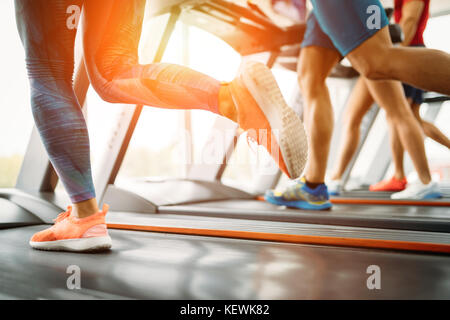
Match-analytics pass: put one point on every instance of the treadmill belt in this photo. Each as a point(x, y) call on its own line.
point(391, 202)
point(366, 194)
point(282, 231)
point(436, 219)
point(378, 198)
point(146, 265)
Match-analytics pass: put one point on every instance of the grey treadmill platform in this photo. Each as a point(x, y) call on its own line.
point(148, 265)
point(271, 229)
point(12, 215)
point(435, 219)
point(366, 194)
point(146, 195)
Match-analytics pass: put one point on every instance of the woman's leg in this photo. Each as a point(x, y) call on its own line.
point(398, 181)
point(430, 129)
point(49, 46)
point(111, 40)
point(397, 151)
point(391, 97)
point(253, 99)
point(359, 103)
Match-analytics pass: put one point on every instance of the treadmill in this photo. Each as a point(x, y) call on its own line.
point(212, 241)
point(203, 194)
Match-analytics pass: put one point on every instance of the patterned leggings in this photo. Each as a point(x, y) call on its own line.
point(112, 29)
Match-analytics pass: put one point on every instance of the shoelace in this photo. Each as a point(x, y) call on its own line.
point(251, 142)
point(63, 215)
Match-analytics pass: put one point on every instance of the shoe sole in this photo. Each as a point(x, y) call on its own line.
point(433, 195)
point(334, 193)
point(299, 204)
point(93, 244)
point(292, 137)
point(426, 195)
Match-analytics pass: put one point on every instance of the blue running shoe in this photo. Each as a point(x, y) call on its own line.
point(301, 196)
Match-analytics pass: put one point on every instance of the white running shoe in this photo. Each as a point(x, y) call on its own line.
point(419, 191)
point(334, 187)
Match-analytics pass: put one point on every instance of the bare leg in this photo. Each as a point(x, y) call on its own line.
point(359, 103)
point(390, 96)
point(430, 129)
point(314, 66)
point(397, 151)
point(378, 59)
point(85, 208)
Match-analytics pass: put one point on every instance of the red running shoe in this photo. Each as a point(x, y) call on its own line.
point(392, 184)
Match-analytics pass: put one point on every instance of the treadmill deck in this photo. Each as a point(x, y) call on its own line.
point(161, 266)
point(434, 219)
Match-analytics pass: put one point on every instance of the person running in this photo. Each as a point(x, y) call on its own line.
point(112, 30)
point(412, 16)
point(358, 30)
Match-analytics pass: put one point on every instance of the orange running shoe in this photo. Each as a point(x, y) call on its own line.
point(392, 184)
point(70, 233)
point(264, 114)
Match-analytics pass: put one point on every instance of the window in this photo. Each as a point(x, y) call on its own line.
point(15, 112)
point(162, 135)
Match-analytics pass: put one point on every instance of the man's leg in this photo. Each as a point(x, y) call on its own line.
point(370, 50)
point(430, 129)
point(317, 58)
point(359, 103)
point(350, 34)
point(346, 23)
point(377, 59)
point(310, 192)
point(314, 66)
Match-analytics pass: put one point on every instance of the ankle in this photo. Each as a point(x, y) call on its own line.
point(425, 180)
point(85, 209)
point(335, 177)
point(227, 107)
point(399, 176)
point(313, 184)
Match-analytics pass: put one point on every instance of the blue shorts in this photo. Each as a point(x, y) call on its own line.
point(314, 36)
point(342, 25)
point(415, 94)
